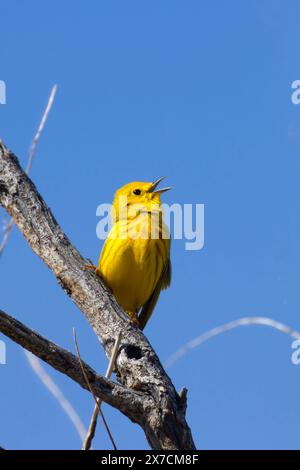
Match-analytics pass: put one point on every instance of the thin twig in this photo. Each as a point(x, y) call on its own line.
point(7, 231)
point(31, 156)
point(40, 129)
point(93, 422)
point(121, 398)
point(92, 391)
point(33, 361)
point(49, 383)
point(245, 321)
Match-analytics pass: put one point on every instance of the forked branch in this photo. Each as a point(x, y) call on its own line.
point(138, 368)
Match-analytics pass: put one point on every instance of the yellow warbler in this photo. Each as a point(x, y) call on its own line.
point(135, 259)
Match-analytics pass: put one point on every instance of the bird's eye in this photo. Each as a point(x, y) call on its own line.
point(137, 192)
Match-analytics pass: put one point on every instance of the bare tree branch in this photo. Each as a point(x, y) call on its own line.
point(245, 321)
point(62, 360)
point(137, 366)
point(10, 223)
point(32, 360)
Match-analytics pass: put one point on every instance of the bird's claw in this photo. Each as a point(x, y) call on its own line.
point(89, 266)
point(133, 319)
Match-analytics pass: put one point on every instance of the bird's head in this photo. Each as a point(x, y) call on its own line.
point(137, 197)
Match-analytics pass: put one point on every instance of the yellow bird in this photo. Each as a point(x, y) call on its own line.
point(135, 259)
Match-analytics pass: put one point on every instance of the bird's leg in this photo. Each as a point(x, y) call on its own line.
point(133, 318)
point(89, 266)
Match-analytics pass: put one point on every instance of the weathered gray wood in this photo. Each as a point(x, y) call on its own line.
point(118, 396)
point(138, 367)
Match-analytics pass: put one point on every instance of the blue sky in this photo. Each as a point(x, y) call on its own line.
point(197, 91)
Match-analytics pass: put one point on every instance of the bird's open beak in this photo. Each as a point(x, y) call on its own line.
point(155, 184)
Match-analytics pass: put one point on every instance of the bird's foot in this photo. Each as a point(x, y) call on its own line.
point(133, 318)
point(89, 266)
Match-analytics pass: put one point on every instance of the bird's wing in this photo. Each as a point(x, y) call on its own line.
point(163, 282)
point(106, 249)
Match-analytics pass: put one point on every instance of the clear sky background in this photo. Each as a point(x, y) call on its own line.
point(199, 91)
